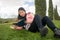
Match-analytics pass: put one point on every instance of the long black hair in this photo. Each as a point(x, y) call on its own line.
point(20, 17)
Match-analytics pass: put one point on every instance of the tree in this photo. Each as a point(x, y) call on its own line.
point(40, 7)
point(56, 16)
point(50, 11)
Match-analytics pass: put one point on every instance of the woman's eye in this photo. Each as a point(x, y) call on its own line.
point(21, 12)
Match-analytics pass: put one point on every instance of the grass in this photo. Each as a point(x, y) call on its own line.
point(8, 34)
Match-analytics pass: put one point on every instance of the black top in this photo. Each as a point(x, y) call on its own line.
point(22, 22)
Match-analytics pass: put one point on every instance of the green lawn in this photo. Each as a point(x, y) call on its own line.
point(8, 34)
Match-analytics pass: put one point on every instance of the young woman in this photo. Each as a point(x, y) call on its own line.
point(34, 23)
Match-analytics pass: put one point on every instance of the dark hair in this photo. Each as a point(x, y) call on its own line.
point(20, 17)
point(21, 8)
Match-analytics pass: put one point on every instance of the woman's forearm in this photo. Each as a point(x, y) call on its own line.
point(16, 27)
point(19, 28)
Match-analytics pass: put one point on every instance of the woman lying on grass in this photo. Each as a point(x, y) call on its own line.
point(34, 23)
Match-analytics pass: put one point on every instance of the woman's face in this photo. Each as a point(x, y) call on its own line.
point(22, 13)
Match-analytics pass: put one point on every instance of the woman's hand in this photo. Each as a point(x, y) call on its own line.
point(12, 27)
